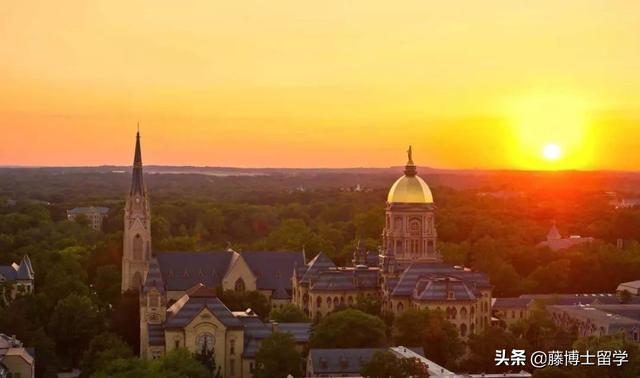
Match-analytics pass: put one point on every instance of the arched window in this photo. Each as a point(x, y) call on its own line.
point(463, 330)
point(400, 307)
point(137, 247)
point(205, 341)
point(239, 286)
point(319, 301)
point(336, 301)
point(454, 313)
point(329, 302)
point(463, 313)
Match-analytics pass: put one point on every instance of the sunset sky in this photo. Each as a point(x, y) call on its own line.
point(470, 84)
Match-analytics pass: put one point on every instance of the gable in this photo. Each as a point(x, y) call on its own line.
point(239, 269)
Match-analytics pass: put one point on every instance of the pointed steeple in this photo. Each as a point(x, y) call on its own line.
point(137, 183)
point(410, 169)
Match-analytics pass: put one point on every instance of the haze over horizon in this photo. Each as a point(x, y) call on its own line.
point(491, 85)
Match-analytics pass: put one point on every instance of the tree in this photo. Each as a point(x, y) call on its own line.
point(125, 319)
point(289, 313)
point(277, 357)
point(242, 300)
point(107, 283)
point(385, 364)
point(429, 329)
point(482, 349)
point(73, 323)
point(625, 296)
point(103, 349)
point(349, 329)
point(178, 363)
point(207, 357)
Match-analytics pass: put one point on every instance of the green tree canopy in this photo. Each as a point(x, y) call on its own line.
point(349, 328)
point(103, 349)
point(430, 330)
point(385, 364)
point(278, 357)
point(289, 313)
point(73, 323)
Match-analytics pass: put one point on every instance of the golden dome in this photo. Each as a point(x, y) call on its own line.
point(410, 188)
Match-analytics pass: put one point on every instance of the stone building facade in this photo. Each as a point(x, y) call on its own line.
point(407, 272)
point(16, 279)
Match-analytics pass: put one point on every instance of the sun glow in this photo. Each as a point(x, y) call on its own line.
point(552, 151)
point(551, 131)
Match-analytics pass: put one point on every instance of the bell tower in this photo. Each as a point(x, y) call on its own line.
point(136, 246)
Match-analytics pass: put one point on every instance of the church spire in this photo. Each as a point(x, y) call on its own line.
point(137, 185)
point(410, 169)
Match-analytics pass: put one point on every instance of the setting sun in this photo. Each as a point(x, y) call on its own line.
point(552, 151)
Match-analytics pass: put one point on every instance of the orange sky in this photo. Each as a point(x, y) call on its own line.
point(335, 83)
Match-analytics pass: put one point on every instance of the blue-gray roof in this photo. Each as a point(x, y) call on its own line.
point(16, 272)
point(154, 278)
point(193, 302)
point(438, 289)
point(8, 272)
point(254, 331)
point(409, 279)
point(319, 264)
point(344, 361)
point(156, 334)
point(182, 270)
point(89, 209)
point(501, 303)
point(346, 279)
point(300, 331)
point(273, 269)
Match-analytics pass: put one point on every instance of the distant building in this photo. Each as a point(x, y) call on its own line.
point(349, 362)
point(633, 287)
point(16, 279)
point(95, 215)
point(15, 360)
point(556, 242)
point(507, 311)
point(344, 362)
point(598, 320)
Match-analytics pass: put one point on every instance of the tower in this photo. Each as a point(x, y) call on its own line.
point(409, 234)
point(136, 246)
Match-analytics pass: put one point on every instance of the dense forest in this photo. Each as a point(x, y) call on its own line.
point(489, 224)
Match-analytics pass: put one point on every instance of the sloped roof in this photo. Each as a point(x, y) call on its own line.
point(154, 278)
point(438, 288)
point(346, 279)
point(15, 272)
point(319, 263)
point(517, 302)
point(89, 209)
point(193, 302)
point(273, 269)
point(182, 270)
point(254, 331)
point(300, 331)
point(8, 272)
point(344, 361)
point(410, 277)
